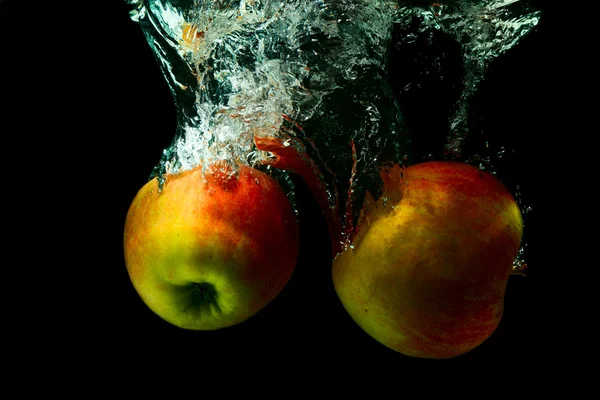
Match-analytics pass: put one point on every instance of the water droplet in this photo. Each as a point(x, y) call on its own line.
point(501, 152)
point(138, 12)
point(519, 266)
point(410, 38)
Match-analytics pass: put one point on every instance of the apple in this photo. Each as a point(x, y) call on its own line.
point(431, 259)
point(210, 250)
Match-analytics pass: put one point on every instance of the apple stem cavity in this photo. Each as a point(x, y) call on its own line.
point(203, 297)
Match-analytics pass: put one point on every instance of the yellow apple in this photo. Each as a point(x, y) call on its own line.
point(210, 251)
point(431, 259)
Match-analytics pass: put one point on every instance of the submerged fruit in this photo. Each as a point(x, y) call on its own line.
point(210, 251)
point(431, 259)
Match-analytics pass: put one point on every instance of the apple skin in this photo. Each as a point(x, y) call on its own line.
point(429, 269)
point(210, 252)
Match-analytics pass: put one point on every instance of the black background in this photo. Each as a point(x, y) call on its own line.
point(85, 82)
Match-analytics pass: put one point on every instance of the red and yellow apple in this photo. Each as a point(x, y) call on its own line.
point(431, 259)
point(210, 250)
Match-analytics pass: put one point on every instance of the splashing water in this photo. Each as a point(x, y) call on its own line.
point(236, 68)
point(309, 72)
point(485, 29)
point(313, 76)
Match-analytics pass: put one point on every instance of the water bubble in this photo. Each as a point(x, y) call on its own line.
point(519, 266)
point(501, 152)
point(410, 38)
point(138, 11)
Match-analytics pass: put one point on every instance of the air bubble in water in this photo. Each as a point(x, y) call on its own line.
point(519, 266)
point(138, 10)
point(410, 38)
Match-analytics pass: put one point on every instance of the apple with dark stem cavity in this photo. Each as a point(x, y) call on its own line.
point(210, 249)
